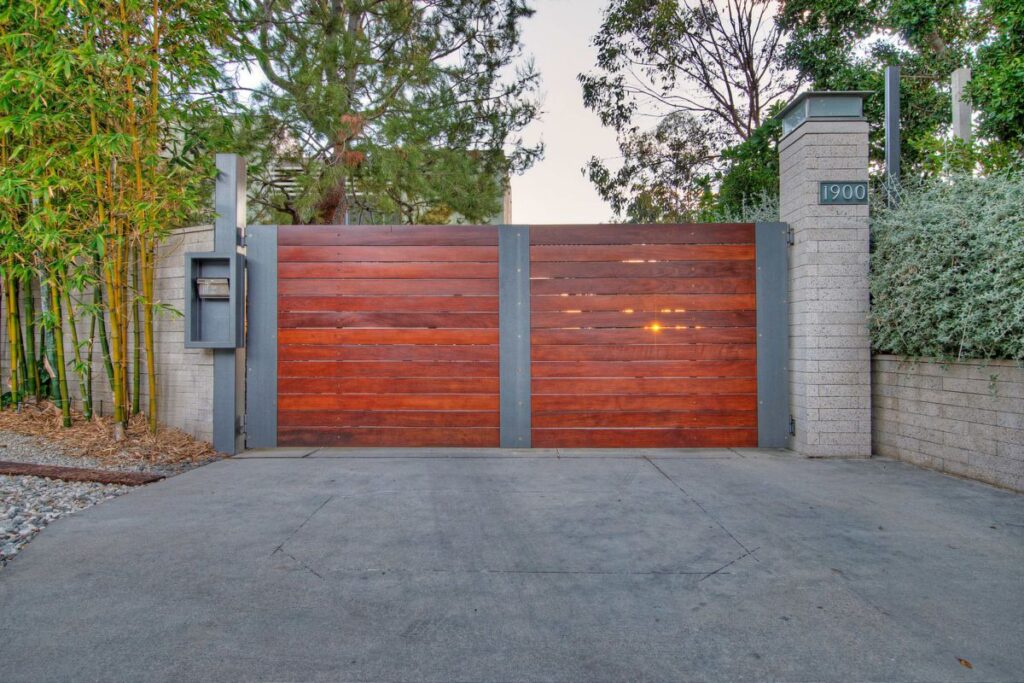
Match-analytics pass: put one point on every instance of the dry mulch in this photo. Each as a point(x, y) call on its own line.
point(95, 438)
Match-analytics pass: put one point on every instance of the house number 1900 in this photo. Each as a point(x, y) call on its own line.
point(842, 192)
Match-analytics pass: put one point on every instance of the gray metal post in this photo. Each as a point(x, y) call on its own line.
point(261, 344)
point(228, 364)
point(892, 123)
point(772, 258)
point(961, 106)
point(514, 334)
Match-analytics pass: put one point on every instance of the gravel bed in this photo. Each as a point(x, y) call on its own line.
point(27, 504)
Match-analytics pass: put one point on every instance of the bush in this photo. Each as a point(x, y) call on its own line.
point(947, 269)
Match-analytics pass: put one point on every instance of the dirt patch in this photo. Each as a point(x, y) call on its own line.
point(94, 439)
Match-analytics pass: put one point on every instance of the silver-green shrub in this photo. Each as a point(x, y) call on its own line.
point(947, 269)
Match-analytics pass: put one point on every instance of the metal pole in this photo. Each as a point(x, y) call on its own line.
point(228, 364)
point(892, 123)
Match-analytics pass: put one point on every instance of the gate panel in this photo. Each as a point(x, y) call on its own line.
point(388, 336)
point(643, 336)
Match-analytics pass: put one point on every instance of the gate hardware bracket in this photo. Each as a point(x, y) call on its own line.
point(792, 426)
point(790, 236)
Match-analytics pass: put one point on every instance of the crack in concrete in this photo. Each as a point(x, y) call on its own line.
point(696, 502)
point(299, 527)
point(728, 564)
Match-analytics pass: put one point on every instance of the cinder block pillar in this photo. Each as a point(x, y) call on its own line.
point(825, 140)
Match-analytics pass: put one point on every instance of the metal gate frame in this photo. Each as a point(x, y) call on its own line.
point(771, 261)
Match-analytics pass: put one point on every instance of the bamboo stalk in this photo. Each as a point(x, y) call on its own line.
point(79, 367)
point(58, 343)
point(30, 337)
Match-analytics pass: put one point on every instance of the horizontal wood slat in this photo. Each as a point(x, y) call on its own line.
point(293, 402)
point(387, 436)
point(361, 319)
point(644, 269)
point(388, 335)
point(385, 369)
point(656, 368)
point(672, 419)
point(391, 271)
point(665, 303)
point(540, 254)
point(644, 438)
point(581, 352)
point(718, 233)
point(679, 285)
point(385, 254)
point(560, 403)
point(392, 304)
point(396, 352)
point(392, 418)
point(613, 319)
point(315, 287)
point(690, 335)
point(387, 385)
point(649, 385)
point(384, 235)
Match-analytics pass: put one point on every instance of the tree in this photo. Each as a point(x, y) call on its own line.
point(708, 70)
point(400, 107)
point(846, 45)
point(997, 87)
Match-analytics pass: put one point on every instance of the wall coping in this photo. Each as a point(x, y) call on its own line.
point(916, 360)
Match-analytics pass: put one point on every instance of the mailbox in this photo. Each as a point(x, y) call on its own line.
point(214, 301)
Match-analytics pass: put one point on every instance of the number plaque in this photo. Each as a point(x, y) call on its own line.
point(842, 192)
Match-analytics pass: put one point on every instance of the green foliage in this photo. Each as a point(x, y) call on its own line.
point(997, 86)
point(947, 269)
point(752, 174)
point(392, 108)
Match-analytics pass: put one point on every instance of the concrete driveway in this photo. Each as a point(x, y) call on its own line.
point(442, 565)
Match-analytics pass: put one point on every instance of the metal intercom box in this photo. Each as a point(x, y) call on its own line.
point(214, 313)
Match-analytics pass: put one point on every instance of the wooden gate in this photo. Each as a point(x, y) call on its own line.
point(388, 336)
point(550, 336)
point(643, 336)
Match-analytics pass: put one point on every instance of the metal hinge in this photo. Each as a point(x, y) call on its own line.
point(792, 426)
point(790, 237)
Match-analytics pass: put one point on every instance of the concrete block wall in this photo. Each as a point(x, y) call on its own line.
point(184, 376)
point(830, 356)
point(964, 418)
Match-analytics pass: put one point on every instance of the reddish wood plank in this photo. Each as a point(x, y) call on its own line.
point(710, 233)
point(707, 335)
point(612, 319)
point(286, 254)
point(704, 386)
point(392, 304)
point(429, 352)
point(659, 252)
point(362, 287)
point(642, 269)
point(660, 402)
point(382, 235)
point(386, 418)
point(732, 418)
point(336, 319)
point(388, 385)
point(655, 368)
point(637, 285)
point(581, 352)
point(386, 369)
point(409, 271)
point(289, 402)
point(387, 336)
point(387, 436)
point(644, 438)
point(665, 303)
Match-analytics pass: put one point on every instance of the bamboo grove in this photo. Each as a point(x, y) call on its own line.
point(105, 106)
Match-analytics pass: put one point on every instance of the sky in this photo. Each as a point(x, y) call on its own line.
point(554, 190)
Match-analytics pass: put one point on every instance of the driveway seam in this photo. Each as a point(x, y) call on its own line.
point(696, 502)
